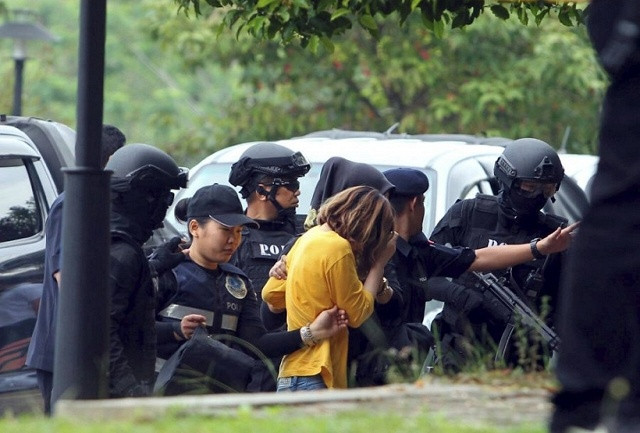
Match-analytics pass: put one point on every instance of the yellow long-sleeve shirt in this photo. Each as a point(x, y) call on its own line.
point(321, 273)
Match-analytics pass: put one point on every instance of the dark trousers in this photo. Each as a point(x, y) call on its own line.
point(45, 383)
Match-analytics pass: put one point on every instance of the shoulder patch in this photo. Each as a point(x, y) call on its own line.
point(236, 286)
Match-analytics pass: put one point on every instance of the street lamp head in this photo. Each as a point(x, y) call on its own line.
point(23, 28)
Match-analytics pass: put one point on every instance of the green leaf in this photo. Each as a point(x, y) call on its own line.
point(264, 3)
point(564, 18)
point(522, 15)
point(328, 45)
point(460, 20)
point(438, 29)
point(313, 44)
point(284, 15)
point(500, 12)
point(368, 22)
point(414, 4)
point(338, 13)
point(303, 4)
point(541, 15)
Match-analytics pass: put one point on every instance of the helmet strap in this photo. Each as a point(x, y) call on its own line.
point(271, 196)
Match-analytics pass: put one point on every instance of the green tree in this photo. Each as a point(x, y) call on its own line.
point(191, 86)
point(495, 78)
point(313, 22)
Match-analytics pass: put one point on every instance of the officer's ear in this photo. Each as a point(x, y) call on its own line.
point(193, 226)
point(412, 203)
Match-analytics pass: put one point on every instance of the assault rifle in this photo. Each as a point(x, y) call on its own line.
point(519, 309)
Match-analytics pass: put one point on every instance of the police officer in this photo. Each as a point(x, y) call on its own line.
point(268, 175)
point(529, 172)
point(41, 346)
point(599, 361)
point(217, 295)
point(141, 184)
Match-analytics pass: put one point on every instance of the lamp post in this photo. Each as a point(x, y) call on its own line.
point(22, 28)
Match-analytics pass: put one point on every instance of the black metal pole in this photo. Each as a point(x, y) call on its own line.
point(17, 87)
point(82, 341)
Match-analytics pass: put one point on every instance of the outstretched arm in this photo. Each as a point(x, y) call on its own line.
point(505, 256)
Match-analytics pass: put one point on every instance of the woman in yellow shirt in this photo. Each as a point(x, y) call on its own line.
point(339, 262)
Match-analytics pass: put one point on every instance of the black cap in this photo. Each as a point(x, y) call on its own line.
point(221, 203)
point(408, 181)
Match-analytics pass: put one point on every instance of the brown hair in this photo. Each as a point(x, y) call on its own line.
point(364, 217)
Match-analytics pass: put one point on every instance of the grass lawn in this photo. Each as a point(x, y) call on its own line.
point(274, 420)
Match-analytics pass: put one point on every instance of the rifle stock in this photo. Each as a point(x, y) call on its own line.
point(520, 309)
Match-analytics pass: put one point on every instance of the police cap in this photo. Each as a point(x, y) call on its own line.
point(408, 181)
point(220, 203)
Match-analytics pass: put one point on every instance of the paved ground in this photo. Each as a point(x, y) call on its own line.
point(501, 405)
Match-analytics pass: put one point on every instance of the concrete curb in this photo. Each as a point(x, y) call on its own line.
point(422, 395)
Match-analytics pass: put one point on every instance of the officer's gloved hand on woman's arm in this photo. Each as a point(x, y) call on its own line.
point(167, 256)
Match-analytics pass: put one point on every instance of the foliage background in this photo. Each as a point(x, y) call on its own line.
point(191, 86)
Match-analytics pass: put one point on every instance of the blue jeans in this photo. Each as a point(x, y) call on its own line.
point(300, 383)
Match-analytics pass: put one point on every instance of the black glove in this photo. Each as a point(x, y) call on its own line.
point(167, 256)
point(469, 300)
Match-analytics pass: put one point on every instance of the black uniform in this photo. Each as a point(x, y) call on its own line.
point(398, 323)
point(132, 335)
point(416, 261)
point(479, 223)
point(600, 306)
point(260, 250)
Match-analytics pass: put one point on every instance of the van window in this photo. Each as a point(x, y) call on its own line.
point(20, 215)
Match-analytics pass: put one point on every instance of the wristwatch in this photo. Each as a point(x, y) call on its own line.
point(534, 249)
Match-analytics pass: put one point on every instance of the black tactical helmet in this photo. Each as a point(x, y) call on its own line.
point(145, 166)
point(528, 159)
point(266, 160)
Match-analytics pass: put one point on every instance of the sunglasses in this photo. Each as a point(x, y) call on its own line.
point(291, 185)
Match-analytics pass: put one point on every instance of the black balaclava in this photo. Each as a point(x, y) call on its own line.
point(519, 208)
point(138, 212)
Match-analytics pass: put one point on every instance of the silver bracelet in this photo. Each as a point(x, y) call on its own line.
point(307, 336)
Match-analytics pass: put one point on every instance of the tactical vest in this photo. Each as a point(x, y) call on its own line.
point(485, 227)
point(259, 251)
point(220, 294)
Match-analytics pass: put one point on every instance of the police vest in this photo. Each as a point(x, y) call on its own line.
point(219, 295)
point(485, 227)
point(259, 250)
